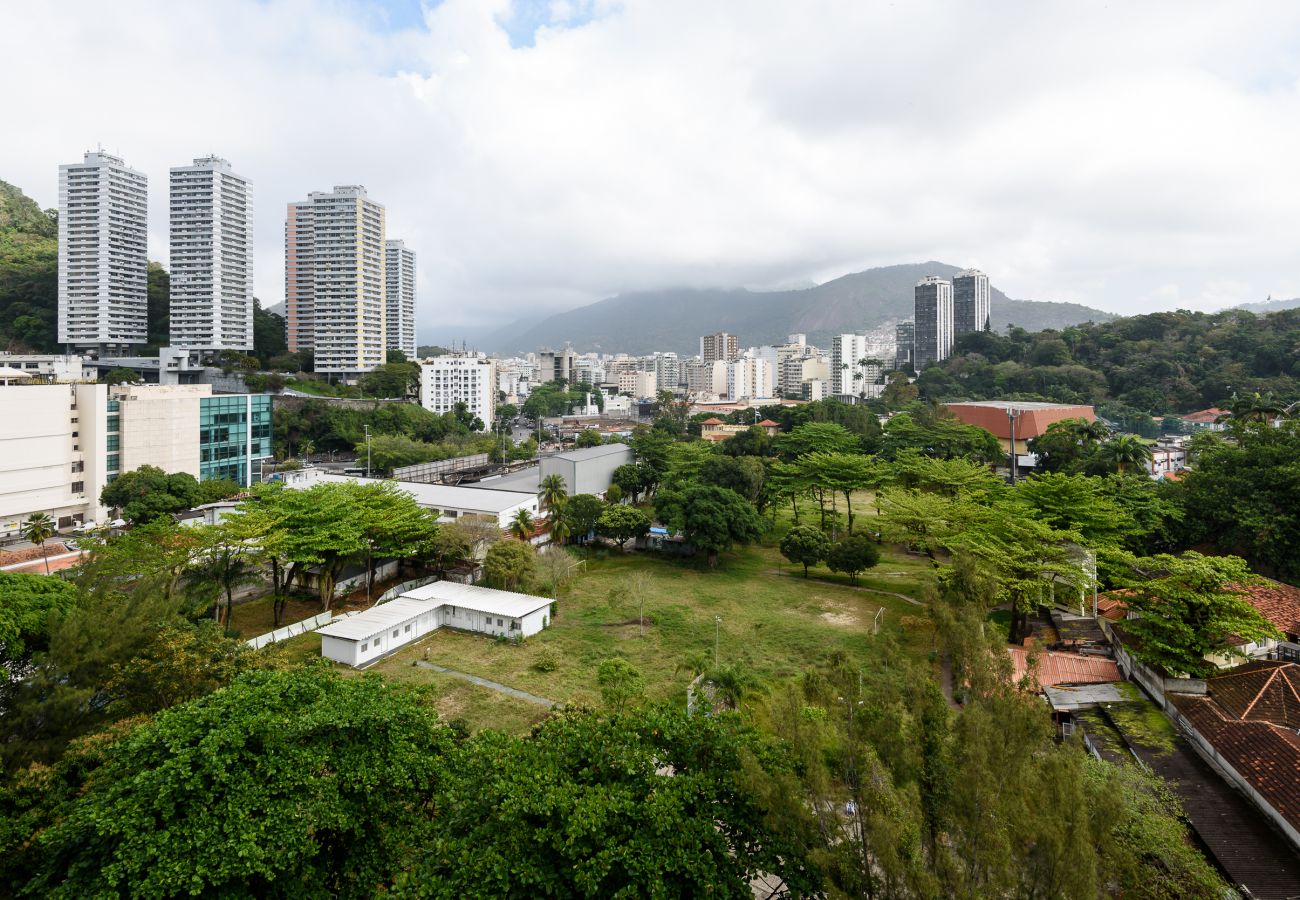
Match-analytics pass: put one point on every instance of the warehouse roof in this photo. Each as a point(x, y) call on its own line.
point(479, 599)
point(592, 452)
point(376, 619)
point(450, 496)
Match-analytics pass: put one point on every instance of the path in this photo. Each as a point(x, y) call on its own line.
point(490, 685)
point(777, 573)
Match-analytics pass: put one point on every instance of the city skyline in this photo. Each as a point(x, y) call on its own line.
point(1130, 186)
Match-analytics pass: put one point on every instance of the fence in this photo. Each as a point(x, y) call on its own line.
point(288, 631)
point(430, 471)
point(404, 587)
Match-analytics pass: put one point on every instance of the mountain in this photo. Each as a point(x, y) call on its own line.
point(674, 319)
point(29, 273)
point(1270, 305)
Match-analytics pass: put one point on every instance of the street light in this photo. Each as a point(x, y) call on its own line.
point(367, 427)
point(1012, 415)
point(717, 633)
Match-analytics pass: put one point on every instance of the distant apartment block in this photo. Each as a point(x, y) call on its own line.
point(553, 365)
point(720, 346)
point(469, 378)
point(400, 278)
point(706, 379)
point(211, 257)
point(335, 280)
point(103, 261)
point(904, 345)
point(749, 378)
point(933, 321)
point(638, 384)
point(971, 302)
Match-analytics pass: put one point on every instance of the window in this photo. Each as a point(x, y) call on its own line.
point(78, 487)
point(407, 629)
point(365, 647)
point(500, 623)
point(394, 632)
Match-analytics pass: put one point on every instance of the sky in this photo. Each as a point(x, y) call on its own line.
point(539, 155)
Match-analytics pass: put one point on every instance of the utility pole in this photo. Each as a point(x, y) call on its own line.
point(717, 633)
point(367, 427)
point(1011, 418)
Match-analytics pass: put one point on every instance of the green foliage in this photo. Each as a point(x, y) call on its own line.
point(711, 518)
point(392, 379)
point(1189, 607)
point(621, 683)
point(510, 565)
point(270, 337)
point(547, 660)
point(28, 604)
point(582, 511)
point(333, 426)
point(814, 437)
point(522, 525)
point(945, 438)
point(218, 489)
point(1148, 365)
point(1241, 496)
point(148, 494)
point(805, 545)
point(335, 768)
point(120, 375)
point(29, 267)
point(622, 523)
point(588, 438)
point(556, 399)
point(158, 291)
point(855, 553)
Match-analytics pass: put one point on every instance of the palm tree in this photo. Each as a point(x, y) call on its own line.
point(1255, 407)
point(558, 526)
point(306, 447)
point(1090, 432)
point(553, 492)
point(1123, 451)
point(39, 528)
point(521, 526)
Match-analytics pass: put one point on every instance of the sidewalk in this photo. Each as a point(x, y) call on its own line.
point(490, 685)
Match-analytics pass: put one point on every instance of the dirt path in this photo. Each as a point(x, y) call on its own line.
point(777, 573)
point(490, 685)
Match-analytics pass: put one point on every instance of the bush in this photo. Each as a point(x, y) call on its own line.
point(547, 660)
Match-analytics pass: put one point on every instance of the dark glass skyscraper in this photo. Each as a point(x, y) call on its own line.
point(971, 304)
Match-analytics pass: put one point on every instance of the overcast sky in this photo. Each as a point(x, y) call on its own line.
point(538, 156)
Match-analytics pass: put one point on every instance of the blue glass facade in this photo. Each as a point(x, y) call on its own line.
point(234, 436)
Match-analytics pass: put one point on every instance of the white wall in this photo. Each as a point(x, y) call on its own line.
point(160, 426)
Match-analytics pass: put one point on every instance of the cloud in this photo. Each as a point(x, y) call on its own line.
point(539, 156)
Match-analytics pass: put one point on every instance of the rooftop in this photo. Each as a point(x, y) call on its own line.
point(592, 452)
point(1064, 668)
point(479, 599)
point(374, 620)
point(447, 496)
point(1019, 404)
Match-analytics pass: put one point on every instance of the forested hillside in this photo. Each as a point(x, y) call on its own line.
point(1159, 364)
point(29, 272)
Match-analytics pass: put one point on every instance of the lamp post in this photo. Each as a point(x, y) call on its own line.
point(1012, 415)
point(367, 427)
point(717, 633)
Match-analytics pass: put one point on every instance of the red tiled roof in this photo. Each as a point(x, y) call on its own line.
point(1205, 415)
point(768, 423)
point(1277, 602)
point(1113, 607)
point(1236, 720)
point(712, 421)
point(1064, 668)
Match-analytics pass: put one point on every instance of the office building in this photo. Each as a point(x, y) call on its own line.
point(553, 365)
point(103, 261)
point(933, 317)
point(904, 344)
point(211, 257)
point(720, 346)
point(234, 437)
point(971, 302)
point(400, 274)
point(335, 281)
point(52, 453)
point(469, 378)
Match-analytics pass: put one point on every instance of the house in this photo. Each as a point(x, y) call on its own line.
point(1054, 668)
point(1246, 727)
point(1206, 419)
point(1022, 419)
point(361, 639)
point(716, 430)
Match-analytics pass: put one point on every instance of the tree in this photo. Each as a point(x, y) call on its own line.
point(841, 472)
point(622, 523)
point(588, 437)
point(581, 512)
point(120, 375)
point(1124, 451)
point(522, 525)
point(630, 480)
point(28, 603)
point(553, 491)
point(390, 523)
point(1190, 607)
point(449, 547)
point(38, 528)
point(805, 545)
point(813, 437)
point(711, 518)
point(166, 810)
point(148, 493)
point(899, 391)
point(225, 564)
point(620, 682)
point(1075, 503)
point(558, 526)
point(510, 565)
point(392, 379)
point(218, 489)
point(854, 554)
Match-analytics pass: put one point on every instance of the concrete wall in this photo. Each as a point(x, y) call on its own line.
point(587, 476)
point(160, 426)
point(38, 452)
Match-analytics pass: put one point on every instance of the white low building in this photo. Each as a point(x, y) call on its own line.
point(451, 501)
point(365, 637)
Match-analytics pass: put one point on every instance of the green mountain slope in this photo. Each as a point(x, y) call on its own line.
point(29, 273)
point(674, 319)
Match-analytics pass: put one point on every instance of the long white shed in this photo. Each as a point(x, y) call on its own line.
point(365, 637)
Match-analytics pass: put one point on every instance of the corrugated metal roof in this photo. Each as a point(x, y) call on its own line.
point(1064, 668)
point(479, 599)
point(592, 452)
point(376, 619)
point(448, 496)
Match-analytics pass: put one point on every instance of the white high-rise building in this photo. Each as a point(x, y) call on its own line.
point(335, 283)
point(469, 378)
point(400, 275)
point(103, 253)
point(933, 317)
point(749, 377)
point(211, 257)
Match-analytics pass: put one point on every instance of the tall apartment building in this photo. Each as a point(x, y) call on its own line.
point(852, 365)
point(335, 280)
point(211, 257)
point(749, 377)
point(52, 449)
point(933, 315)
point(971, 302)
point(667, 369)
point(798, 370)
point(552, 365)
point(469, 378)
point(400, 275)
point(721, 346)
point(639, 383)
point(705, 380)
point(904, 344)
point(103, 253)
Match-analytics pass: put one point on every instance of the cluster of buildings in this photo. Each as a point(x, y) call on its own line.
point(350, 290)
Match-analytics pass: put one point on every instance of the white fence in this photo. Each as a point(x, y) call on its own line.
point(404, 587)
point(288, 631)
